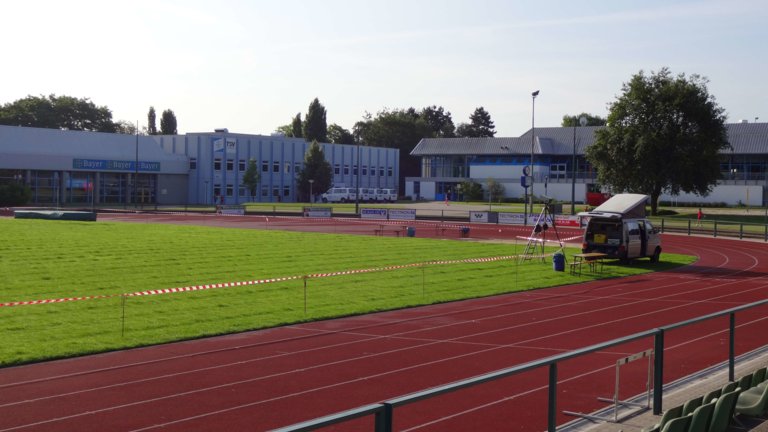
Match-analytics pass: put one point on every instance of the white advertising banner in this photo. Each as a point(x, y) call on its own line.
point(511, 218)
point(232, 210)
point(402, 214)
point(478, 217)
point(317, 212)
point(371, 213)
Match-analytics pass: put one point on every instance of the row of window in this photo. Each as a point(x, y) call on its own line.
point(242, 191)
point(337, 170)
point(265, 165)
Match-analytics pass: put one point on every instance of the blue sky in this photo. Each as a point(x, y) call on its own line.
point(251, 66)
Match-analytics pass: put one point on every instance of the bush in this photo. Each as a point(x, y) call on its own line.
point(14, 194)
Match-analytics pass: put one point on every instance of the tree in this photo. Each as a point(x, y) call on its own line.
point(251, 177)
point(57, 112)
point(14, 194)
point(400, 129)
point(285, 130)
point(592, 120)
point(339, 135)
point(439, 121)
point(125, 127)
point(664, 133)
point(315, 168)
point(151, 121)
point(315, 126)
point(495, 189)
point(296, 126)
point(480, 125)
point(168, 123)
point(471, 191)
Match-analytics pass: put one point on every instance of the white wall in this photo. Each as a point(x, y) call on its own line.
point(729, 194)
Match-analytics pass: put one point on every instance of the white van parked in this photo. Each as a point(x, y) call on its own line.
point(339, 194)
point(367, 195)
point(386, 195)
point(618, 228)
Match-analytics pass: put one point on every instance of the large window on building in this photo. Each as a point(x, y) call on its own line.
point(217, 164)
point(192, 163)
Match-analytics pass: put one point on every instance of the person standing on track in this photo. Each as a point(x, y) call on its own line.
point(699, 216)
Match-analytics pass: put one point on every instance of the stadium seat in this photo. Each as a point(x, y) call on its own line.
point(692, 404)
point(723, 412)
point(758, 377)
point(679, 424)
point(714, 394)
point(745, 382)
point(701, 418)
point(752, 402)
point(668, 415)
point(731, 386)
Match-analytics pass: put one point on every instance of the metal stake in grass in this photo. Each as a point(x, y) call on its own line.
point(305, 295)
point(122, 331)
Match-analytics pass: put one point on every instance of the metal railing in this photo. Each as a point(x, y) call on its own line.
point(384, 412)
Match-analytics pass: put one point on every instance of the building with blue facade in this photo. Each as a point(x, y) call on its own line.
point(92, 168)
point(561, 170)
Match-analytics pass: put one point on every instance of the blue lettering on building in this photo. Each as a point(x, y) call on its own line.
point(114, 165)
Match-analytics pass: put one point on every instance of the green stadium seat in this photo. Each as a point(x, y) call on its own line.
point(714, 394)
point(758, 377)
point(731, 386)
point(701, 418)
point(668, 415)
point(745, 382)
point(752, 402)
point(723, 412)
point(692, 404)
point(679, 424)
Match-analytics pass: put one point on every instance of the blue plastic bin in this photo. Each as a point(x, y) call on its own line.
point(558, 262)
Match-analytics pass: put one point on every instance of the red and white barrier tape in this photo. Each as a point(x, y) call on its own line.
point(270, 280)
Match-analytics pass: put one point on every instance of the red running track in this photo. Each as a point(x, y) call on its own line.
point(266, 379)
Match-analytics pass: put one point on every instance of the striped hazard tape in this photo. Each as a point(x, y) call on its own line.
point(266, 281)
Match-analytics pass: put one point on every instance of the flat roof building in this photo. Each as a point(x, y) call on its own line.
point(64, 167)
point(560, 166)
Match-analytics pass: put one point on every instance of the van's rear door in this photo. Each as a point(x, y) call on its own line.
point(634, 240)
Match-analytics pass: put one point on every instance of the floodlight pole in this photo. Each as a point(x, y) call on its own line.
point(357, 183)
point(136, 171)
point(533, 138)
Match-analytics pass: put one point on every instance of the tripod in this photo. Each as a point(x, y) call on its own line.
point(538, 237)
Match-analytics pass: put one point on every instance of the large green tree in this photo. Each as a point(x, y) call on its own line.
point(151, 121)
point(168, 123)
point(315, 168)
point(400, 129)
point(573, 120)
point(339, 135)
point(664, 134)
point(439, 121)
point(315, 124)
point(296, 126)
point(57, 112)
point(480, 125)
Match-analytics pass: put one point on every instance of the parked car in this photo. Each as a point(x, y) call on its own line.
point(386, 195)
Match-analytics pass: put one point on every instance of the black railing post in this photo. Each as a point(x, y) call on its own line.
point(741, 231)
point(715, 229)
point(658, 371)
point(662, 225)
point(689, 227)
point(384, 419)
point(732, 347)
point(552, 405)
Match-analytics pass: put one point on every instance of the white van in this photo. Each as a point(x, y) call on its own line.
point(339, 194)
point(618, 228)
point(386, 195)
point(367, 195)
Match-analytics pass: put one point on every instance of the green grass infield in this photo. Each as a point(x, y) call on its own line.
point(43, 260)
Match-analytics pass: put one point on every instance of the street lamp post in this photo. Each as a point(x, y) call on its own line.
point(582, 122)
point(533, 138)
point(357, 182)
point(311, 198)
